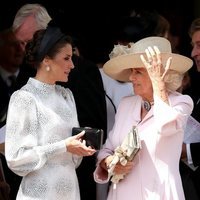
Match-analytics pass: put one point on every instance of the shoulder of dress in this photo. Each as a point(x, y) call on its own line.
point(66, 92)
point(22, 97)
point(130, 98)
point(176, 96)
point(129, 102)
point(63, 89)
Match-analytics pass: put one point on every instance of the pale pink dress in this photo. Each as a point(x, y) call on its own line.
point(155, 175)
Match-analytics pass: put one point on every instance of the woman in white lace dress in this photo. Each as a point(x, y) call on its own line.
point(39, 145)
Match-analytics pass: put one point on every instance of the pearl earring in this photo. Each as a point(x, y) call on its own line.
point(47, 68)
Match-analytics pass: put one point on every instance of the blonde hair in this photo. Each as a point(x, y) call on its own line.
point(173, 80)
point(40, 13)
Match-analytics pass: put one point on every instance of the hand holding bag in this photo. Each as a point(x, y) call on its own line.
point(124, 153)
point(92, 136)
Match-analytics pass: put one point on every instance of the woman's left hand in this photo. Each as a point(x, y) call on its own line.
point(76, 145)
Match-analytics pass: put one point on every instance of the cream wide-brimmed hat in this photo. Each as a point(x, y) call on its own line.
point(124, 59)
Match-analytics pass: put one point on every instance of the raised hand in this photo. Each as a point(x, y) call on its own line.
point(154, 64)
point(157, 71)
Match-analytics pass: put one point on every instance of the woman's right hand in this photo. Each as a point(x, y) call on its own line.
point(76, 145)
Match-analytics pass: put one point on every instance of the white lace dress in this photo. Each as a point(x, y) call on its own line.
point(40, 118)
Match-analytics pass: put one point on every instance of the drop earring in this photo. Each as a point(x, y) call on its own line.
point(47, 68)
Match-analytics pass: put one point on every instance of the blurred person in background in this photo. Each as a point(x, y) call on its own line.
point(28, 19)
point(11, 57)
point(86, 84)
point(190, 152)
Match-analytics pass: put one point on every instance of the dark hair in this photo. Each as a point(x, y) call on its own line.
point(140, 24)
point(195, 26)
point(45, 42)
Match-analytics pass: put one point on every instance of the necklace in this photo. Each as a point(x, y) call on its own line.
point(147, 105)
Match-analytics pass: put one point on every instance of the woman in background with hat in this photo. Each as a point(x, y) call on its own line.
point(38, 145)
point(159, 114)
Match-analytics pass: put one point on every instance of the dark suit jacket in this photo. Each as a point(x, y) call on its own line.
point(191, 179)
point(4, 100)
point(195, 152)
point(5, 92)
point(86, 84)
point(195, 175)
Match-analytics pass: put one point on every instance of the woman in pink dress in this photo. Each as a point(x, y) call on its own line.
point(159, 114)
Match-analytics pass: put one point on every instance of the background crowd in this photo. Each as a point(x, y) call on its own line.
point(94, 23)
point(95, 28)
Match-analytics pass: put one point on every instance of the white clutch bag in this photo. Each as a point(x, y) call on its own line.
point(131, 144)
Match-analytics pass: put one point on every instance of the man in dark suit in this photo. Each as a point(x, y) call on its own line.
point(28, 19)
point(11, 56)
point(191, 152)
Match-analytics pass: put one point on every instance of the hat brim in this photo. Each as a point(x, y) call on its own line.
point(119, 68)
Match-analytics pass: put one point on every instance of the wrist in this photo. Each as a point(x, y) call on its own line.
point(159, 84)
point(67, 143)
point(105, 163)
point(160, 90)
